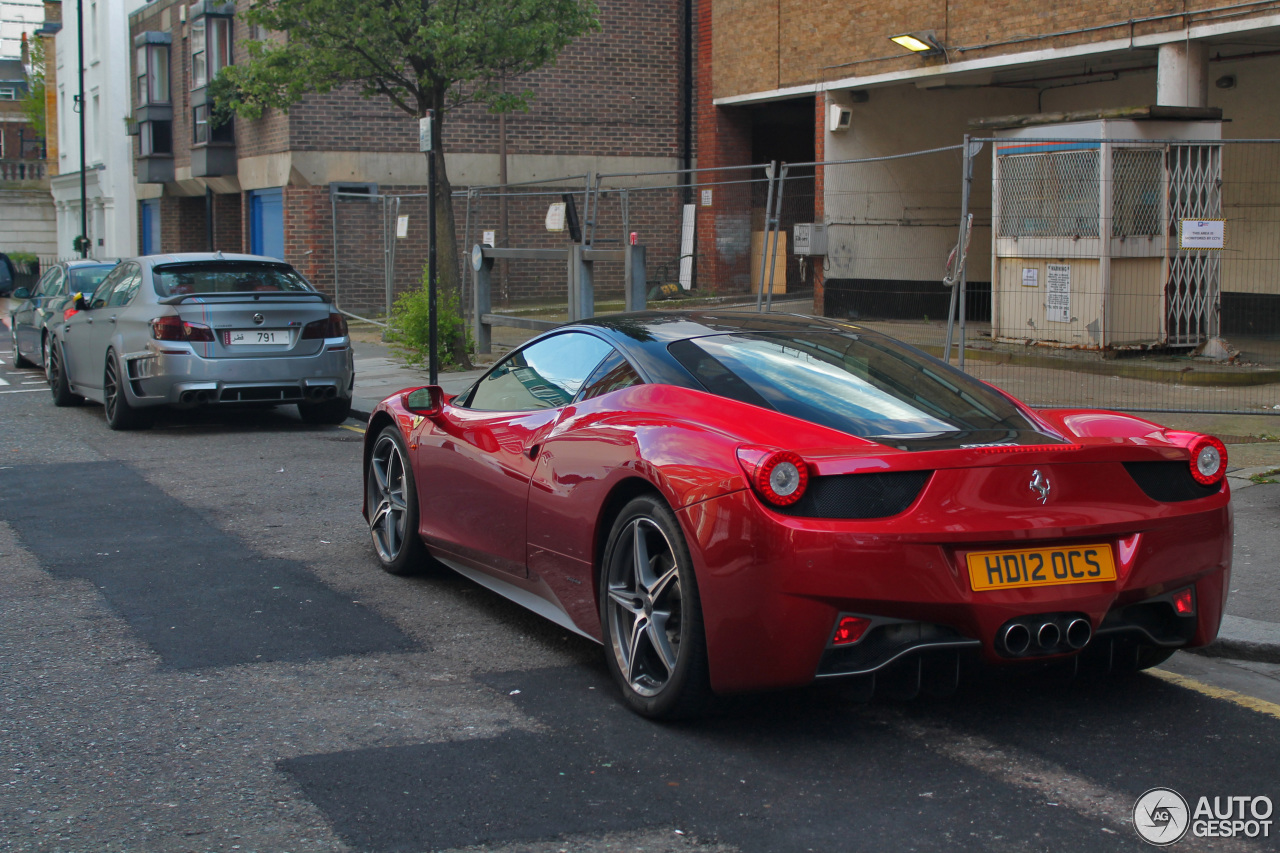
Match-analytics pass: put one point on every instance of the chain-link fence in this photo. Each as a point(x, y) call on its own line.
point(1132, 273)
point(890, 224)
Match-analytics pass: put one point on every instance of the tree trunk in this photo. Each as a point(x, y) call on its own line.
point(447, 274)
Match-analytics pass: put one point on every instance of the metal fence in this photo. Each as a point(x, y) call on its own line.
point(1131, 273)
point(1117, 273)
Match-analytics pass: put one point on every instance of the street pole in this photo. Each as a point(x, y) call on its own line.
point(84, 202)
point(426, 130)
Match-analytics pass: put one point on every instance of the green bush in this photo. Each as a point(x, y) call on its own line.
point(409, 330)
point(25, 260)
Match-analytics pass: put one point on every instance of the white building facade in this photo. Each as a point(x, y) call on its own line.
point(109, 184)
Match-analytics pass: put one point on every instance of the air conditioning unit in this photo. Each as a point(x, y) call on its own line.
point(809, 238)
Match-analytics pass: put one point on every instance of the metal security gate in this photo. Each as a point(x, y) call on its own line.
point(1193, 285)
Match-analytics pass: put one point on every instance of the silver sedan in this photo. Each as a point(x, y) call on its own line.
point(202, 329)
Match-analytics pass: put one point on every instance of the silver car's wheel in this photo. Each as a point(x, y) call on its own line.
point(18, 359)
point(120, 415)
point(651, 613)
point(58, 383)
point(392, 506)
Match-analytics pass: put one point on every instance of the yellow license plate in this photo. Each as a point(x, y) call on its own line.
point(1040, 567)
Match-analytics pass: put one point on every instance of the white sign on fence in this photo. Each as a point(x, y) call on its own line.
point(1030, 277)
point(1058, 297)
point(555, 216)
point(706, 198)
point(402, 226)
point(490, 239)
point(1202, 234)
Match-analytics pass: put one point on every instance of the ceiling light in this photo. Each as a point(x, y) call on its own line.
point(924, 43)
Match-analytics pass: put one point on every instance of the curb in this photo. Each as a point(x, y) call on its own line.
point(1244, 639)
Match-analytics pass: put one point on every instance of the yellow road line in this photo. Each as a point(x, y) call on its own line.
point(1262, 706)
point(353, 428)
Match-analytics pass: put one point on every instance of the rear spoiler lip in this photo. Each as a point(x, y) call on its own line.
point(248, 296)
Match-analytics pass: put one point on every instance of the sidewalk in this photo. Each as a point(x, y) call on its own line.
point(1251, 628)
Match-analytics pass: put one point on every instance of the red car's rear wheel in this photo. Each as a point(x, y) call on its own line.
point(651, 614)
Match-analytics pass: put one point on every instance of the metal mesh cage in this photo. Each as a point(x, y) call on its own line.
point(1138, 184)
point(1049, 195)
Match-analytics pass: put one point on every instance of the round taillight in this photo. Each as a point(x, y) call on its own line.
point(1208, 460)
point(781, 478)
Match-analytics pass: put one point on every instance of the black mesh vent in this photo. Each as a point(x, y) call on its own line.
point(1169, 482)
point(859, 495)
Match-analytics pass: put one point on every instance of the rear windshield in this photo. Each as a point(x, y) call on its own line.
point(86, 281)
point(860, 383)
point(226, 277)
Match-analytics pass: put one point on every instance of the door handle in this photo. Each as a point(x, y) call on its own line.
point(113, 318)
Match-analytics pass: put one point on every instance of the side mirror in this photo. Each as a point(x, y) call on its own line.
point(22, 293)
point(428, 400)
point(81, 303)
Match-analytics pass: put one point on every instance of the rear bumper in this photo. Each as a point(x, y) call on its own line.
point(158, 378)
point(780, 584)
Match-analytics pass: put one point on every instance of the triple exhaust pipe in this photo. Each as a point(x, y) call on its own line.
point(1043, 635)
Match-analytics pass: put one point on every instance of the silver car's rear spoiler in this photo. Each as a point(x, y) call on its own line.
point(248, 296)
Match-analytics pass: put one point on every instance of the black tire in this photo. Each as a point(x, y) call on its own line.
point(58, 384)
point(115, 402)
point(391, 499)
point(659, 664)
point(18, 359)
point(333, 411)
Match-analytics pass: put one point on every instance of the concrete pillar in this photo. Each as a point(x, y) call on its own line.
point(1182, 76)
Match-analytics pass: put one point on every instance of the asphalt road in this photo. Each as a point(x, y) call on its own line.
point(198, 652)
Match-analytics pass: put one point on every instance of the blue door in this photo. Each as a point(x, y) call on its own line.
point(266, 223)
point(151, 226)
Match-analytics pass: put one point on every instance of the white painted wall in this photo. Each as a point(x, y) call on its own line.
point(109, 151)
point(26, 222)
point(898, 219)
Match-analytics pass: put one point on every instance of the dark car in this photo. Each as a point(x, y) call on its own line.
point(31, 322)
point(7, 275)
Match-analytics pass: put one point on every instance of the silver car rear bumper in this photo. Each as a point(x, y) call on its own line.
point(185, 379)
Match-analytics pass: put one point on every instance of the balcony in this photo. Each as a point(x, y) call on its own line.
point(24, 175)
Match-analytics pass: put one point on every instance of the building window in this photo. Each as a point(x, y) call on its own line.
point(8, 93)
point(202, 133)
point(155, 137)
point(210, 49)
point(152, 69)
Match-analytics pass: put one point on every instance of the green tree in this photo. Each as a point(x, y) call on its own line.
point(418, 54)
point(33, 105)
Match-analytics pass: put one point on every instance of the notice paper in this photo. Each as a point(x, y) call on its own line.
point(1058, 297)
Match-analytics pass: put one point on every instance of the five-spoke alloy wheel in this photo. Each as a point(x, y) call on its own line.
point(391, 502)
point(651, 615)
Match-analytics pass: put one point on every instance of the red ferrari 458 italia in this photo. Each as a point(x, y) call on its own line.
point(735, 502)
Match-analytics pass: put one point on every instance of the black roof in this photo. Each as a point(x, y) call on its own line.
point(644, 335)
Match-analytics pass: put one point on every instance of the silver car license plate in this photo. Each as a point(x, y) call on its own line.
point(255, 337)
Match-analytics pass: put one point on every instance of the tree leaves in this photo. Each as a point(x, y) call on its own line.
point(420, 54)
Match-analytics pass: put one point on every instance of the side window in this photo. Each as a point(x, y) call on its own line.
point(103, 293)
point(124, 291)
point(613, 374)
point(544, 375)
point(51, 283)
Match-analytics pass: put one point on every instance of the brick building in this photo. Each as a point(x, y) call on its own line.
point(611, 103)
point(770, 73)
